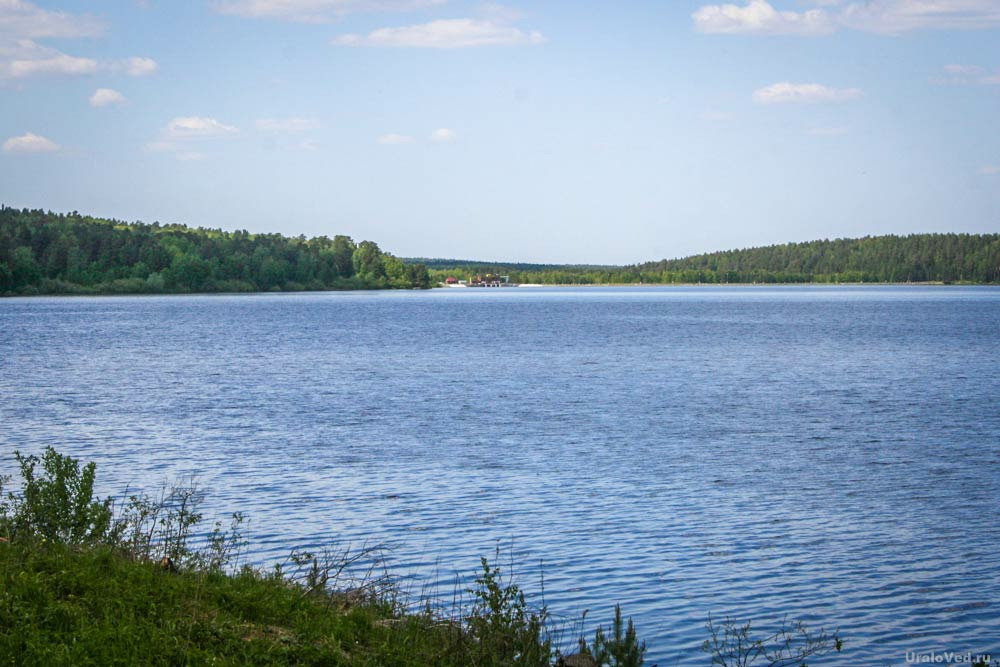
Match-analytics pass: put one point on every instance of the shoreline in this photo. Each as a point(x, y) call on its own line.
point(930, 283)
point(523, 285)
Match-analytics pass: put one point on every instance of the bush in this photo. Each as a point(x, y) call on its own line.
point(500, 626)
point(57, 286)
point(125, 286)
point(56, 503)
point(155, 282)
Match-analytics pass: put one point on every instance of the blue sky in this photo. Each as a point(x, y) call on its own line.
point(591, 132)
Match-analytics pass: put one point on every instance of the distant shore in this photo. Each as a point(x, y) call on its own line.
point(929, 283)
point(98, 293)
point(63, 254)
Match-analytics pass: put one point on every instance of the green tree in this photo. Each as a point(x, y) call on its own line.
point(418, 276)
point(24, 269)
point(368, 262)
point(343, 255)
point(189, 272)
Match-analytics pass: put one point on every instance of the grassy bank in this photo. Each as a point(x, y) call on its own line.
point(66, 605)
point(137, 581)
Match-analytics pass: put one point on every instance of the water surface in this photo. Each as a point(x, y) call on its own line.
point(828, 453)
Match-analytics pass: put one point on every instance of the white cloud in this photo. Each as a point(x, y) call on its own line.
point(22, 57)
point(394, 139)
point(53, 63)
point(880, 16)
point(445, 34)
point(21, 23)
point(26, 58)
point(758, 16)
point(804, 93)
point(962, 69)
point(968, 75)
point(896, 16)
point(103, 97)
point(286, 124)
point(443, 135)
point(24, 20)
point(316, 11)
point(181, 133)
point(137, 66)
point(990, 170)
point(197, 127)
point(29, 143)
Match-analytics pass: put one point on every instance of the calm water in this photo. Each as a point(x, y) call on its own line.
point(827, 453)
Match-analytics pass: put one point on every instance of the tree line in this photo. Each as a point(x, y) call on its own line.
point(49, 253)
point(946, 258)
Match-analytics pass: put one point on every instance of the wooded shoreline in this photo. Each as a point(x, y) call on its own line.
point(45, 253)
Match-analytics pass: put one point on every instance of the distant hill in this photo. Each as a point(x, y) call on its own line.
point(913, 258)
point(950, 258)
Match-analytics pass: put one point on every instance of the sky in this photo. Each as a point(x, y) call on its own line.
point(559, 131)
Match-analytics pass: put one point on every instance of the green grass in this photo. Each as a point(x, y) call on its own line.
point(61, 605)
point(66, 605)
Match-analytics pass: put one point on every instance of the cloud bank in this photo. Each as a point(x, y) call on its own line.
point(445, 34)
point(22, 56)
point(26, 21)
point(878, 16)
point(316, 11)
point(758, 16)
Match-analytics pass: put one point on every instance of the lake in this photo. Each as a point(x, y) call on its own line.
point(829, 453)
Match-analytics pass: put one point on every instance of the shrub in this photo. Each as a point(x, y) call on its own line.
point(621, 649)
point(57, 502)
point(503, 630)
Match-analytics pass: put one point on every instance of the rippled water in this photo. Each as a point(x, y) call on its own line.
point(829, 453)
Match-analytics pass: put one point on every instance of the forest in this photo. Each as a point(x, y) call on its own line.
point(943, 258)
point(49, 253)
point(54, 253)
